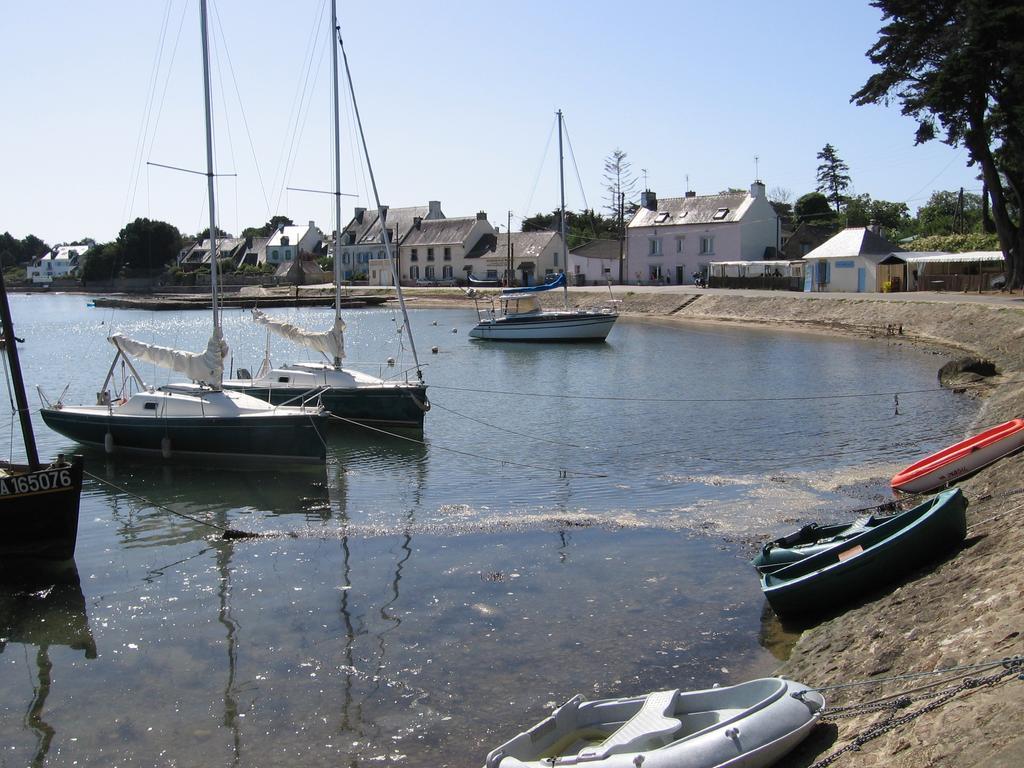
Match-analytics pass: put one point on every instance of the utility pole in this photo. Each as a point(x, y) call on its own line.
point(622, 234)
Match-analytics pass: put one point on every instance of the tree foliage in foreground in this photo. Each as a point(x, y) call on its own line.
point(957, 68)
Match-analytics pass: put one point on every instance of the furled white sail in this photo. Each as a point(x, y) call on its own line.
point(331, 343)
point(203, 367)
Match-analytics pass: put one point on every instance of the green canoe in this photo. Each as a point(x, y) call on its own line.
point(865, 559)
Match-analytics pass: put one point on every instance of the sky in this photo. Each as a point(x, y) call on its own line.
point(457, 99)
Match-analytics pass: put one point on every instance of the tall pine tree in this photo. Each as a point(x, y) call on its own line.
point(833, 176)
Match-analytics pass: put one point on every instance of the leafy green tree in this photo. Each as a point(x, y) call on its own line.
point(813, 208)
point(833, 176)
point(148, 246)
point(958, 69)
point(941, 215)
point(103, 263)
point(275, 223)
point(15, 252)
point(580, 227)
point(862, 211)
point(205, 234)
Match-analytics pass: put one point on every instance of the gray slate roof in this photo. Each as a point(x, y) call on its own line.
point(854, 241)
point(598, 249)
point(699, 209)
point(440, 232)
point(398, 220)
point(526, 246)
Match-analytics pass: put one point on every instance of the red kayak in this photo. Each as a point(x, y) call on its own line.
point(963, 458)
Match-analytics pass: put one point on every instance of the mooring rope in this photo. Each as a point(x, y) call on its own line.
point(227, 533)
point(562, 472)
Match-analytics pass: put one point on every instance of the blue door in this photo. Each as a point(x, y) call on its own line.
point(862, 279)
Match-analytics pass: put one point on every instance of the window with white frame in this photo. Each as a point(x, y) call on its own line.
point(654, 247)
point(707, 245)
point(679, 243)
point(414, 272)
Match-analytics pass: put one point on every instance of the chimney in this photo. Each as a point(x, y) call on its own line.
point(358, 214)
point(384, 212)
point(757, 189)
point(649, 200)
point(434, 209)
point(481, 216)
point(417, 221)
point(312, 223)
point(874, 226)
point(691, 193)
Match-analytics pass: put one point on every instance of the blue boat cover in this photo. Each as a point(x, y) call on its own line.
point(558, 282)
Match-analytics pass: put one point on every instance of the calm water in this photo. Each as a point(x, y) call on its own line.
point(575, 519)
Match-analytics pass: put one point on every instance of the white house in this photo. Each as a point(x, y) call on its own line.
point(438, 250)
point(668, 240)
point(596, 263)
point(362, 244)
point(62, 261)
point(534, 255)
point(288, 242)
point(856, 260)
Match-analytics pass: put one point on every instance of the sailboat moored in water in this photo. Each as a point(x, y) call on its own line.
point(198, 417)
point(350, 395)
point(520, 316)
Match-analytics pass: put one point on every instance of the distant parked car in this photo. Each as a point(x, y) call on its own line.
point(448, 282)
point(421, 283)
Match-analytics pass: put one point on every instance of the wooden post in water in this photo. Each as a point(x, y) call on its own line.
point(11, 345)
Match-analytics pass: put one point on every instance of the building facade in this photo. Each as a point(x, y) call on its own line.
point(669, 240)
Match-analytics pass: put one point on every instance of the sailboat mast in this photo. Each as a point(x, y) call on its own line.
point(561, 188)
point(209, 165)
point(376, 198)
point(337, 168)
point(11, 344)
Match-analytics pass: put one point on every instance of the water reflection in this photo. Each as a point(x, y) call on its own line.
point(44, 615)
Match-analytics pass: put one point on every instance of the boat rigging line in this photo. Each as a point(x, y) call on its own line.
point(562, 472)
point(622, 398)
point(385, 237)
point(225, 531)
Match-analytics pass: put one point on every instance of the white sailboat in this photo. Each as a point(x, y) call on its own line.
point(519, 315)
point(350, 395)
point(196, 417)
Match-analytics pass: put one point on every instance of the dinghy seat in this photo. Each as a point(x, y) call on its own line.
point(651, 727)
point(859, 525)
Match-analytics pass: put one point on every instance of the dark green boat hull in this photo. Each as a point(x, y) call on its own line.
point(296, 438)
point(400, 407)
point(880, 555)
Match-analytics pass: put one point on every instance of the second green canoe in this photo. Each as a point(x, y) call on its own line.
point(877, 556)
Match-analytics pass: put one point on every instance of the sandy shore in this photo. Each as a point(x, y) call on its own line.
point(965, 610)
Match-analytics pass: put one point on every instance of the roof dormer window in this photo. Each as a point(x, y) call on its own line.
point(720, 214)
point(661, 218)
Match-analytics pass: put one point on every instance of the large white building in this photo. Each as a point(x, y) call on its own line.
point(668, 240)
point(62, 261)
